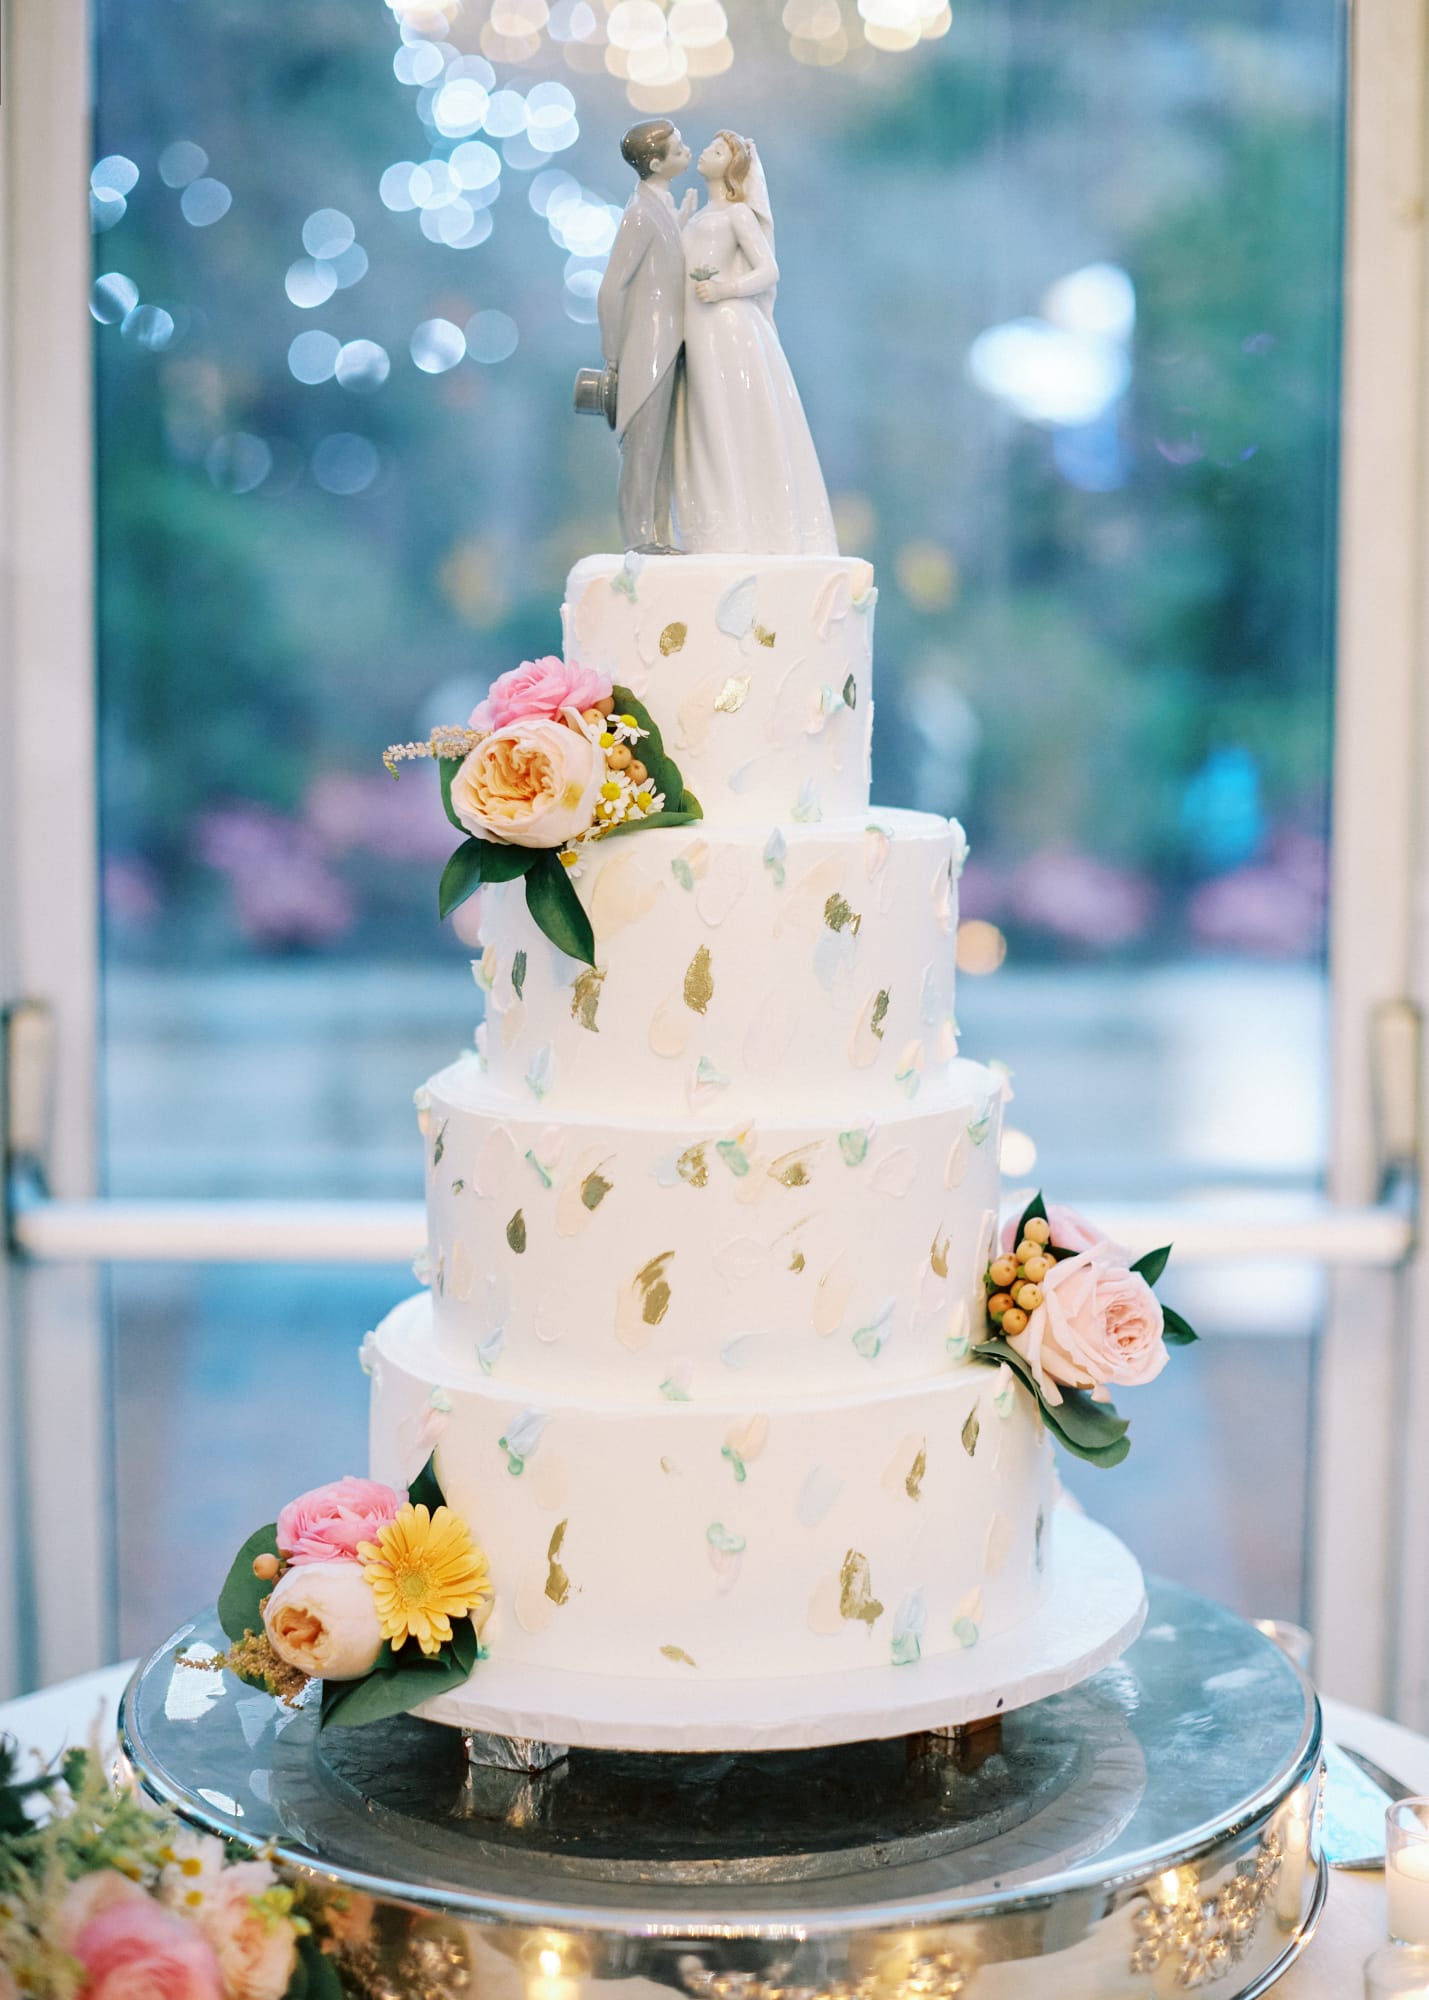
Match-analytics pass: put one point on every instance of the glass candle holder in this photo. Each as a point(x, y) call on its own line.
point(1398, 1972)
point(1406, 1870)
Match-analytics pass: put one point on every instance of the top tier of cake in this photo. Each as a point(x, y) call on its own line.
point(757, 669)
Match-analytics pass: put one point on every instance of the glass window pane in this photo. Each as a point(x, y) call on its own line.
point(1059, 283)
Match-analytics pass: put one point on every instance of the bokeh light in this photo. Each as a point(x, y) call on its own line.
point(149, 327)
point(491, 336)
point(115, 174)
point(345, 463)
point(112, 296)
point(362, 366)
point(238, 462)
point(181, 163)
point(327, 233)
point(981, 947)
point(309, 283)
point(1018, 1153)
point(437, 345)
point(312, 357)
point(205, 201)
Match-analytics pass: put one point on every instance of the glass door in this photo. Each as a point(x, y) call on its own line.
point(1062, 289)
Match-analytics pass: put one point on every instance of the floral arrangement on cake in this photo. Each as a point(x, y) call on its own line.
point(554, 757)
point(104, 1896)
point(379, 1596)
point(1073, 1317)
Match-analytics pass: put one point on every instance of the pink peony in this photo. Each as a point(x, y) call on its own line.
point(257, 1947)
point(539, 688)
point(327, 1524)
point(137, 1950)
point(1071, 1230)
point(1098, 1323)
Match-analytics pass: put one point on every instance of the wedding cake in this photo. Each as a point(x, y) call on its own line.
point(723, 1380)
point(709, 1220)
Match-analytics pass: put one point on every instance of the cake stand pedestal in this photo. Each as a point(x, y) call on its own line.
point(1150, 1832)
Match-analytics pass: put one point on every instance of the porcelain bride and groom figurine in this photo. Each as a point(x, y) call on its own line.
point(716, 454)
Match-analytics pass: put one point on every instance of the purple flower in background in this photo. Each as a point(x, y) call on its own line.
point(1274, 909)
point(1082, 899)
point(365, 813)
point(284, 892)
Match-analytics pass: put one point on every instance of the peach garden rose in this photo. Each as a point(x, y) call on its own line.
point(1098, 1324)
point(534, 784)
point(138, 1950)
point(255, 1944)
point(322, 1619)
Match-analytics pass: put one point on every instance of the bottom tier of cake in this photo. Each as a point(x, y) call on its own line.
point(736, 1542)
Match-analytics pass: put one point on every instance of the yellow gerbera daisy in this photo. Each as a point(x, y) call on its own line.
point(425, 1570)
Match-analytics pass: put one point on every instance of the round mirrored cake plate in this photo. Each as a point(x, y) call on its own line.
point(1091, 1615)
point(1151, 1831)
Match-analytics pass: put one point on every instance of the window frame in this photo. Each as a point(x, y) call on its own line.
point(1369, 1515)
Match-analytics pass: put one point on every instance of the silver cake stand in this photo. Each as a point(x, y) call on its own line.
point(1150, 1832)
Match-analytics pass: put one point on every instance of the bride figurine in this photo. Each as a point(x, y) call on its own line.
point(746, 476)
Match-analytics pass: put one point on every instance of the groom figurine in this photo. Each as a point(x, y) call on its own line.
point(642, 328)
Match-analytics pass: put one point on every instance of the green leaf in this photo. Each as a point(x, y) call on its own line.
point(448, 767)
point(391, 1690)
point(1035, 1211)
point(425, 1490)
point(1179, 1332)
point(650, 820)
point(465, 1644)
point(664, 771)
point(242, 1593)
point(1088, 1429)
point(316, 1977)
point(503, 861)
point(557, 910)
point(1153, 1264)
point(460, 878)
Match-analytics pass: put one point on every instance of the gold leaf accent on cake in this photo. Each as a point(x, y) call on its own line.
point(791, 1169)
point(938, 1255)
point(913, 1484)
point(796, 1262)
point(763, 635)
point(516, 1232)
point(856, 1598)
point(699, 981)
point(693, 1167)
point(868, 1030)
point(839, 915)
point(733, 695)
point(678, 1654)
point(903, 1474)
point(594, 1188)
point(971, 1429)
point(558, 1584)
point(880, 1013)
point(644, 1301)
point(585, 997)
point(674, 636)
point(672, 1470)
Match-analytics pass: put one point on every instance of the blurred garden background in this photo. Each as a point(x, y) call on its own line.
point(1060, 285)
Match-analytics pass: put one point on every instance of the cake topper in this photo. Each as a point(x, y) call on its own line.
point(716, 455)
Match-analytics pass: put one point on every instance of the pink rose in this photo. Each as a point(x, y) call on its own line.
point(540, 688)
point(256, 1946)
point(327, 1524)
point(90, 1897)
point(137, 1950)
point(1098, 1323)
point(1071, 1230)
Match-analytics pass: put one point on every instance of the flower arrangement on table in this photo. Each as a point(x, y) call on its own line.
point(555, 756)
point(379, 1596)
point(1072, 1317)
point(104, 1896)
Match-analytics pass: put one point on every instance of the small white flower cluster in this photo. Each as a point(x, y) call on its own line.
point(627, 792)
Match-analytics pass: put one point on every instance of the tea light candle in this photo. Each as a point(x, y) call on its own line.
point(1406, 1869)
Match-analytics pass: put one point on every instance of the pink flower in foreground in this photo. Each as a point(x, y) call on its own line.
point(257, 1948)
point(137, 1950)
point(92, 1896)
point(1098, 1323)
point(327, 1524)
point(1071, 1230)
point(540, 688)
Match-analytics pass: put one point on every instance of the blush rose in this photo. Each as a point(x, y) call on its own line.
point(329, 1522)
point(1071, 1230)
point(540, 688)
point(532, 784)
point(256, 1948)
point(1098, 1324)
point(137, 1950)
point(322, 1619)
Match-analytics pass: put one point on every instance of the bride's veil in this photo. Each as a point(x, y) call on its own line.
point(756, 195)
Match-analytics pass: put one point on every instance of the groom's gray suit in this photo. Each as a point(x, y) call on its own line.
point(642, 329)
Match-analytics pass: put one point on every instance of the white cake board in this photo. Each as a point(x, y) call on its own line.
point(1095, 1609)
